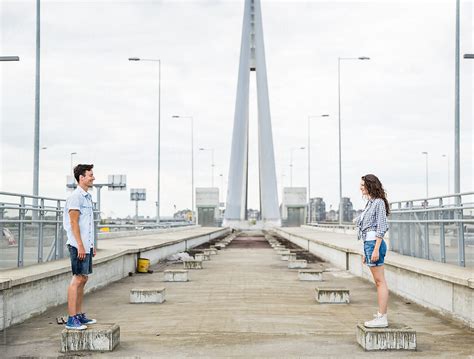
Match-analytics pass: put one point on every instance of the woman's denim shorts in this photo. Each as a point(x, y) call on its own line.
point(369, 248)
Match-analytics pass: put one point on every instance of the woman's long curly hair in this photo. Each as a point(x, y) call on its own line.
point(375, 189)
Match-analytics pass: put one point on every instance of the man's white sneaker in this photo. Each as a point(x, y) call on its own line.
point(379, 321)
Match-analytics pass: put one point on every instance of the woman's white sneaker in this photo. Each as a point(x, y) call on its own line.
point(379, 321)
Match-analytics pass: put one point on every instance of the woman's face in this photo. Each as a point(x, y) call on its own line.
point(363, 189)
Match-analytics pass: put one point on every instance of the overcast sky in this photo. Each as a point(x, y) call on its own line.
point(98, 104)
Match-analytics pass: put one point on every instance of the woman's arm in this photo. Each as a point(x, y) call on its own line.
point(381, 227)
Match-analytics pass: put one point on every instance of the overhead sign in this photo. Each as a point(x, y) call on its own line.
point(138, 194)
point(117, 182)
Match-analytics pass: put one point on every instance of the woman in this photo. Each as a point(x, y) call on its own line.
point(372, 224)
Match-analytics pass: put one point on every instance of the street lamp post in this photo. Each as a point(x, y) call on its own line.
point(309, 163)
point(222, 186)
point(159, 131)
point(449, 176)
point(291, 163)
point(339, 116)
point(212, 163)
point(36, 143)
point(192, 160)
point(426, 154)
point(72, 168)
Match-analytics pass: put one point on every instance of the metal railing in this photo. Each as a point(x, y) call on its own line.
point(436, 228)
point(31, 229)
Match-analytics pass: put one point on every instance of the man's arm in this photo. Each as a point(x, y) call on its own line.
point(74, 217)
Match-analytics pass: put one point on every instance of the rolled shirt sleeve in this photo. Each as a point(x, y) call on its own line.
point(380, 218)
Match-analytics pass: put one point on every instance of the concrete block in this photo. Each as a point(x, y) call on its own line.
point(220, 245)
point(292, 256)
point(97, 337)
point(192, 264)
point(285, 256)
point(210, 251)
point(284, 251)
point(310, 274)
point(299, 263)
point(395, 337)
point(152, 295)
point(332, 295)
point(202, 257)
point(176, 275)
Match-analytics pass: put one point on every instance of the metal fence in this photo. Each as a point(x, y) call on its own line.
point(31, 229)
point(437, 228)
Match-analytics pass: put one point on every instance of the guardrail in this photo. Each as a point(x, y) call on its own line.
point(436, 228)
point(31, 229)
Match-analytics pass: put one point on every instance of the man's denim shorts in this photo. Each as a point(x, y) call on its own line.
point(79, 267)
point(369, 248)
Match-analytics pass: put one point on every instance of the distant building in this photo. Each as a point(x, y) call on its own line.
point(317, 210)
point(331, 216)
point(347, 210)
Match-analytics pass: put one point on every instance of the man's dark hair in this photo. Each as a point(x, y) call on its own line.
point(80, 170)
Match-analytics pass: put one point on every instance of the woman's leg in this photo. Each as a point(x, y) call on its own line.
point(382, 289)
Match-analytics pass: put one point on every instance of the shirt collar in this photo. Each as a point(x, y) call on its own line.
point(84, 193)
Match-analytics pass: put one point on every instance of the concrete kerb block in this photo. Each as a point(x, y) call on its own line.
point(192, 264)
point(210, 251)
point(310, 275)
point(146, 295)
point(202, 257)
point(292, 257)
point(394, 337)
point(96, 338)
point(285, 256)
point(296, 264)
point(332, 295)
point(176, 275)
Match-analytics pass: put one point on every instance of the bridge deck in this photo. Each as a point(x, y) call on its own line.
point(247, 303)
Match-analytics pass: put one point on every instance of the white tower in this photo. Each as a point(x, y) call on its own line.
point(252, 58)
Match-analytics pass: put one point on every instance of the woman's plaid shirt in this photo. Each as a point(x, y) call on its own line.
point(375, 219)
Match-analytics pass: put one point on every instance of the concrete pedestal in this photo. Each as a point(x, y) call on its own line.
point(192, 264)
point(202, 257)
point(310, 275)
point(153, 295)
point(332, 295)
point(299, 263)
point(96, 338)
point(285, 256)
point(395, 337)
point(176, 275)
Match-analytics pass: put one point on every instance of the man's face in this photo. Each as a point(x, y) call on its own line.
point(87, 179)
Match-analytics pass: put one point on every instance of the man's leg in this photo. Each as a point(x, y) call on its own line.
point(72, 295)
point(80, 293)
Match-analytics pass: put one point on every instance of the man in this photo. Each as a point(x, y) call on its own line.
point(78, 222)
